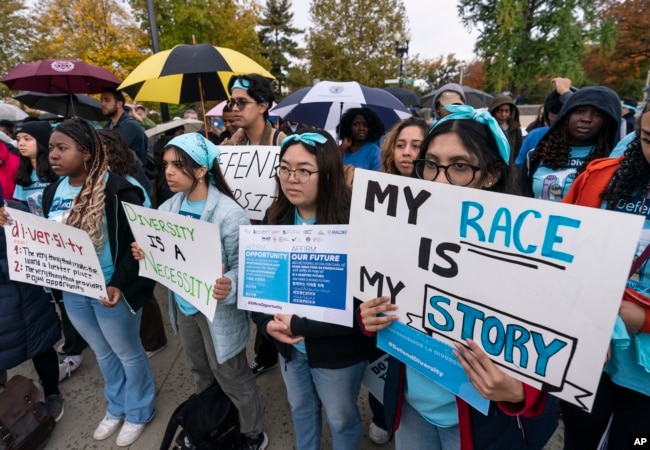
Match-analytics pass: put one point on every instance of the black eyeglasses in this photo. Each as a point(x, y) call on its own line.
point(301, 175)
point(241, 104)
point(459, 174)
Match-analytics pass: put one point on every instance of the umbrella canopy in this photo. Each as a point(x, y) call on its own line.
point(188, 73)
point(406, 96)
point(323, 105)
point(475, 98)
point(190, 125)
point(217, 110)
point(56, 76)
point(65, 105)
point(11, 112)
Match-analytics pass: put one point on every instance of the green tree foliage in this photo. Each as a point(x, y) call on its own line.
point(352, 40)
point(99, 32)
point(275, 36)
point(223, 23)
point(527, 42)
point(15, 34)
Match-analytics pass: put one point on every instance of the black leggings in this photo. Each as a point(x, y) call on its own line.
point(47, 368)
point(630, 410)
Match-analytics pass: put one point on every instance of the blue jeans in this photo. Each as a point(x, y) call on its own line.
point(114, 336)
point(335, 390)
point(414, 430)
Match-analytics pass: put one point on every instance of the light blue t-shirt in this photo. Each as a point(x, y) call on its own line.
point(61, 205)
point(297, 220)
point(193, 210)
point(622, 145)
point(554, 184)
point(367, 157)
point(436, 404)
point(629, 364)
point(32, 195)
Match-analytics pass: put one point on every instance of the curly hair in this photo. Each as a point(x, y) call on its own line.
point(632, 176)
point(87, 212)
point(375, 126)
point(121, 159)
point(334, 196)
point(555, 150)
point(388, 146)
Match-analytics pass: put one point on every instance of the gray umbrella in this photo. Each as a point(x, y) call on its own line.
point(11, 112)
point(474, 97)
point(406, 96)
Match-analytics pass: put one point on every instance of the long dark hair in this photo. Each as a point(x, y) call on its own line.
point(479, 141)
point(43, 168)
point(334, 196)
point(121, 159)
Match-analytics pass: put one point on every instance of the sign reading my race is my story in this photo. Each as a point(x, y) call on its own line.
point(537, 284)
point(249, 171)
point(181, 253)
point(53, 255)
point(295, 270)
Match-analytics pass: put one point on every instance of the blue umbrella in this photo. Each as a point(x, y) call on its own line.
point(323, 105)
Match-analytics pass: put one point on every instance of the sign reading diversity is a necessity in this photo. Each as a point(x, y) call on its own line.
point(250, 173)
point(536, 284)
point(295, 270)
point(181, 253)
point(49, 254)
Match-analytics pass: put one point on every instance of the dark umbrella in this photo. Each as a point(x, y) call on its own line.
point(55, 76)
point(65, 105)
point(474, 97)
point(406, 96)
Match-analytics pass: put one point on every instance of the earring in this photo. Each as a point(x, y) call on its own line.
point(489, 183)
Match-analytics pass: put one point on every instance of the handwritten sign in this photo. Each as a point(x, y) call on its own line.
point(52, 255)
point(536, 284)
point(374, 377)
point(295, 270)
point(250, 173)
point(181, 253)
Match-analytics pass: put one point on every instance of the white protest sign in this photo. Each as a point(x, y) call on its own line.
point(181, 253)
point(537, 284)
point(53, 255)
point(250, 173)
point(295, 269)
point(374, 377)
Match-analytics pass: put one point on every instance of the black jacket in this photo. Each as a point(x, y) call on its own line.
point(328, 346)
point(135, 289)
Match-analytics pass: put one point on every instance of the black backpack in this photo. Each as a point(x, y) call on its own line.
point(208, 420)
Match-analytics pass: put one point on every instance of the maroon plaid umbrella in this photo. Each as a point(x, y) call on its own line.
point(58, 76)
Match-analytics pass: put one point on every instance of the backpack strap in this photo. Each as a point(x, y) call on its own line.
point(640, 260)
point(276, 133)
point(172, 426)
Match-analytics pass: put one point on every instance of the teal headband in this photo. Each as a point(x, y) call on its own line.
point(466, 112)
point(202, 151)
point(310, 139)
point(630, 107)
point(240, 83)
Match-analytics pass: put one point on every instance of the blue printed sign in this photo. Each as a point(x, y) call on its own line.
point(535, 283)
point(295, 270)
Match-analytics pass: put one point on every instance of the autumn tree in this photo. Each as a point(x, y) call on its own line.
point(223, 23)
point(624, 65)
point(438, 71)
point(99, 32)
point(524, 43)
point(353, 40)
point(15, 34)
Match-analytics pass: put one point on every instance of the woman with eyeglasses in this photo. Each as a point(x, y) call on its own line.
point(322, 364)
point(465, 148)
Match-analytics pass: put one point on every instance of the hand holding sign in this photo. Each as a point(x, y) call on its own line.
point(370, 311)
point(222, 286)
point(281, 332)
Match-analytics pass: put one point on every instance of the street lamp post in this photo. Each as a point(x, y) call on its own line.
point(401, 49)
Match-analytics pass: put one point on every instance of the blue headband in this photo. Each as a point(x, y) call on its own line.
point(466, 112)
point(240, 83)
point(310, 139)
point(202, 151)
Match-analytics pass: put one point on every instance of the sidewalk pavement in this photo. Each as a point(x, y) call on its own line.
point(85, 404)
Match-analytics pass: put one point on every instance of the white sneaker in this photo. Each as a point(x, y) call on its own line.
point(129, 433)
point(59, 349)
point(68, 365)
point(377, 434)
point(106, 427)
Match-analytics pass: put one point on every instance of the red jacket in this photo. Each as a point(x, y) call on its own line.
point(8, 166)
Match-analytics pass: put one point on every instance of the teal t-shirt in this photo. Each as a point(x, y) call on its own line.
point(193, 210)
point(554, 184)
point(32, 194)
point(297, 220)
point(436, 404)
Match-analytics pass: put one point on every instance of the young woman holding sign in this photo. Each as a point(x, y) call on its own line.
point(465, 148)
point(216, 351)
point(88, 197)
point(620, 184)
point(322, 364)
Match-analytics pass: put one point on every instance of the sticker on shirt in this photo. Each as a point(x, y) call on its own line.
point(556, 185)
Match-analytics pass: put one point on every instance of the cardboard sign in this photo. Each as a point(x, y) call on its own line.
point(295, 269)
point(250, 173)
point(49, 254)
point(181, 253)
point(536, 284)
